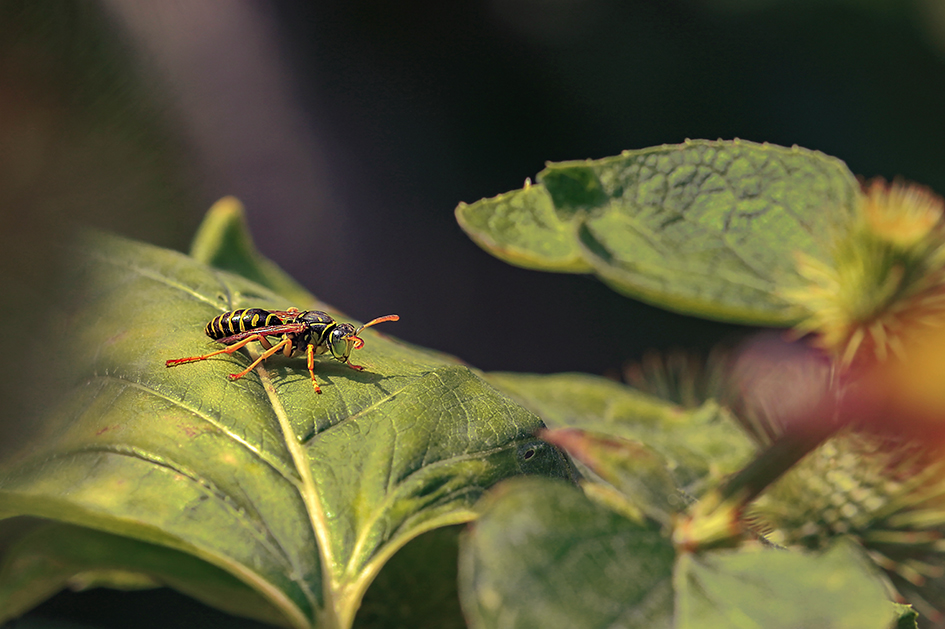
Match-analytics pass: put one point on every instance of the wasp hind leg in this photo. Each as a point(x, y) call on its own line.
point(226, 350)
point(269, 352)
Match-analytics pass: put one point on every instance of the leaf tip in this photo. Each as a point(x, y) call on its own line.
point(223, 227)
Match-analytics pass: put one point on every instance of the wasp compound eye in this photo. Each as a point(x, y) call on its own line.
point(341, 341)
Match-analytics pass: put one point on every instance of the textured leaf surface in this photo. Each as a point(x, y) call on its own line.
point(777, 589)
point(543, 555)
point(706, 227)
point(299, 497)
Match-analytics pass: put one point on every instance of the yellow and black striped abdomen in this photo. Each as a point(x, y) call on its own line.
point(230, 323)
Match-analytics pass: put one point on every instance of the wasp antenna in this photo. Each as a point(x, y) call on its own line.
point(376, 321)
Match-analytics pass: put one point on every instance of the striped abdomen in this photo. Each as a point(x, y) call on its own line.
point(230, 323)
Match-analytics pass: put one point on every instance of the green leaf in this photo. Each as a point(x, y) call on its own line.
point(299, 497)
point(907, 618)
point(543, 555)
point(696, 444)
point(709, 228)
point(772, 588)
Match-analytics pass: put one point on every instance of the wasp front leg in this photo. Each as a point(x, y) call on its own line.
point(310, 354)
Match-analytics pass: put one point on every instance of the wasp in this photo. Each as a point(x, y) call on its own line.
point(312, 331)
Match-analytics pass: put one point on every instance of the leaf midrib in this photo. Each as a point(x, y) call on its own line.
point(313, 505)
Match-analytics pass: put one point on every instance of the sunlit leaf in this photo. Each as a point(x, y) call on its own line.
point(908, 617)
point(709, 228)
point(521, 228)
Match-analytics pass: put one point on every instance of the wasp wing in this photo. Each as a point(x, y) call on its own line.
point(269, 330)
point(285, 315)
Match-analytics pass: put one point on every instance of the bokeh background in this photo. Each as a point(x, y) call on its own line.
point(351, 130)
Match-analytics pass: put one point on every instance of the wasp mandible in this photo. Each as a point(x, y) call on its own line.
point(313, 331)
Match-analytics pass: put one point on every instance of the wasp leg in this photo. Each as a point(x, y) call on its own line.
point(310, 352)
point(290, 348)
point(226, 350)
point(272, 350)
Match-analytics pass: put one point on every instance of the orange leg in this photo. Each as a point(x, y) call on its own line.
point(310, 352)
point(226, 350)
point(269, 352)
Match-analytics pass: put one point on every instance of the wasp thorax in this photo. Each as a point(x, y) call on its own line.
point(312, 317)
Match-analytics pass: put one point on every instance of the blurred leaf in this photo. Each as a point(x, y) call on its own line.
point(637, 472)
point(908, 617)
point(709, 228)
point(775, 588)
point(696, 444)
point(543, 555)
point(224, 242)
point(300, 497)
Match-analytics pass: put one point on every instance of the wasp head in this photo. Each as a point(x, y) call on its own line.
point(344, 338)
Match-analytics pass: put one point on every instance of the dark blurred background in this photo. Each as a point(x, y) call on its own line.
point(350, 130)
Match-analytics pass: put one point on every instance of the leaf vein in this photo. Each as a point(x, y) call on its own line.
point(250, 517)
point(207, 418)
point(391, 497)
point(127, 266)
point(382, 400)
